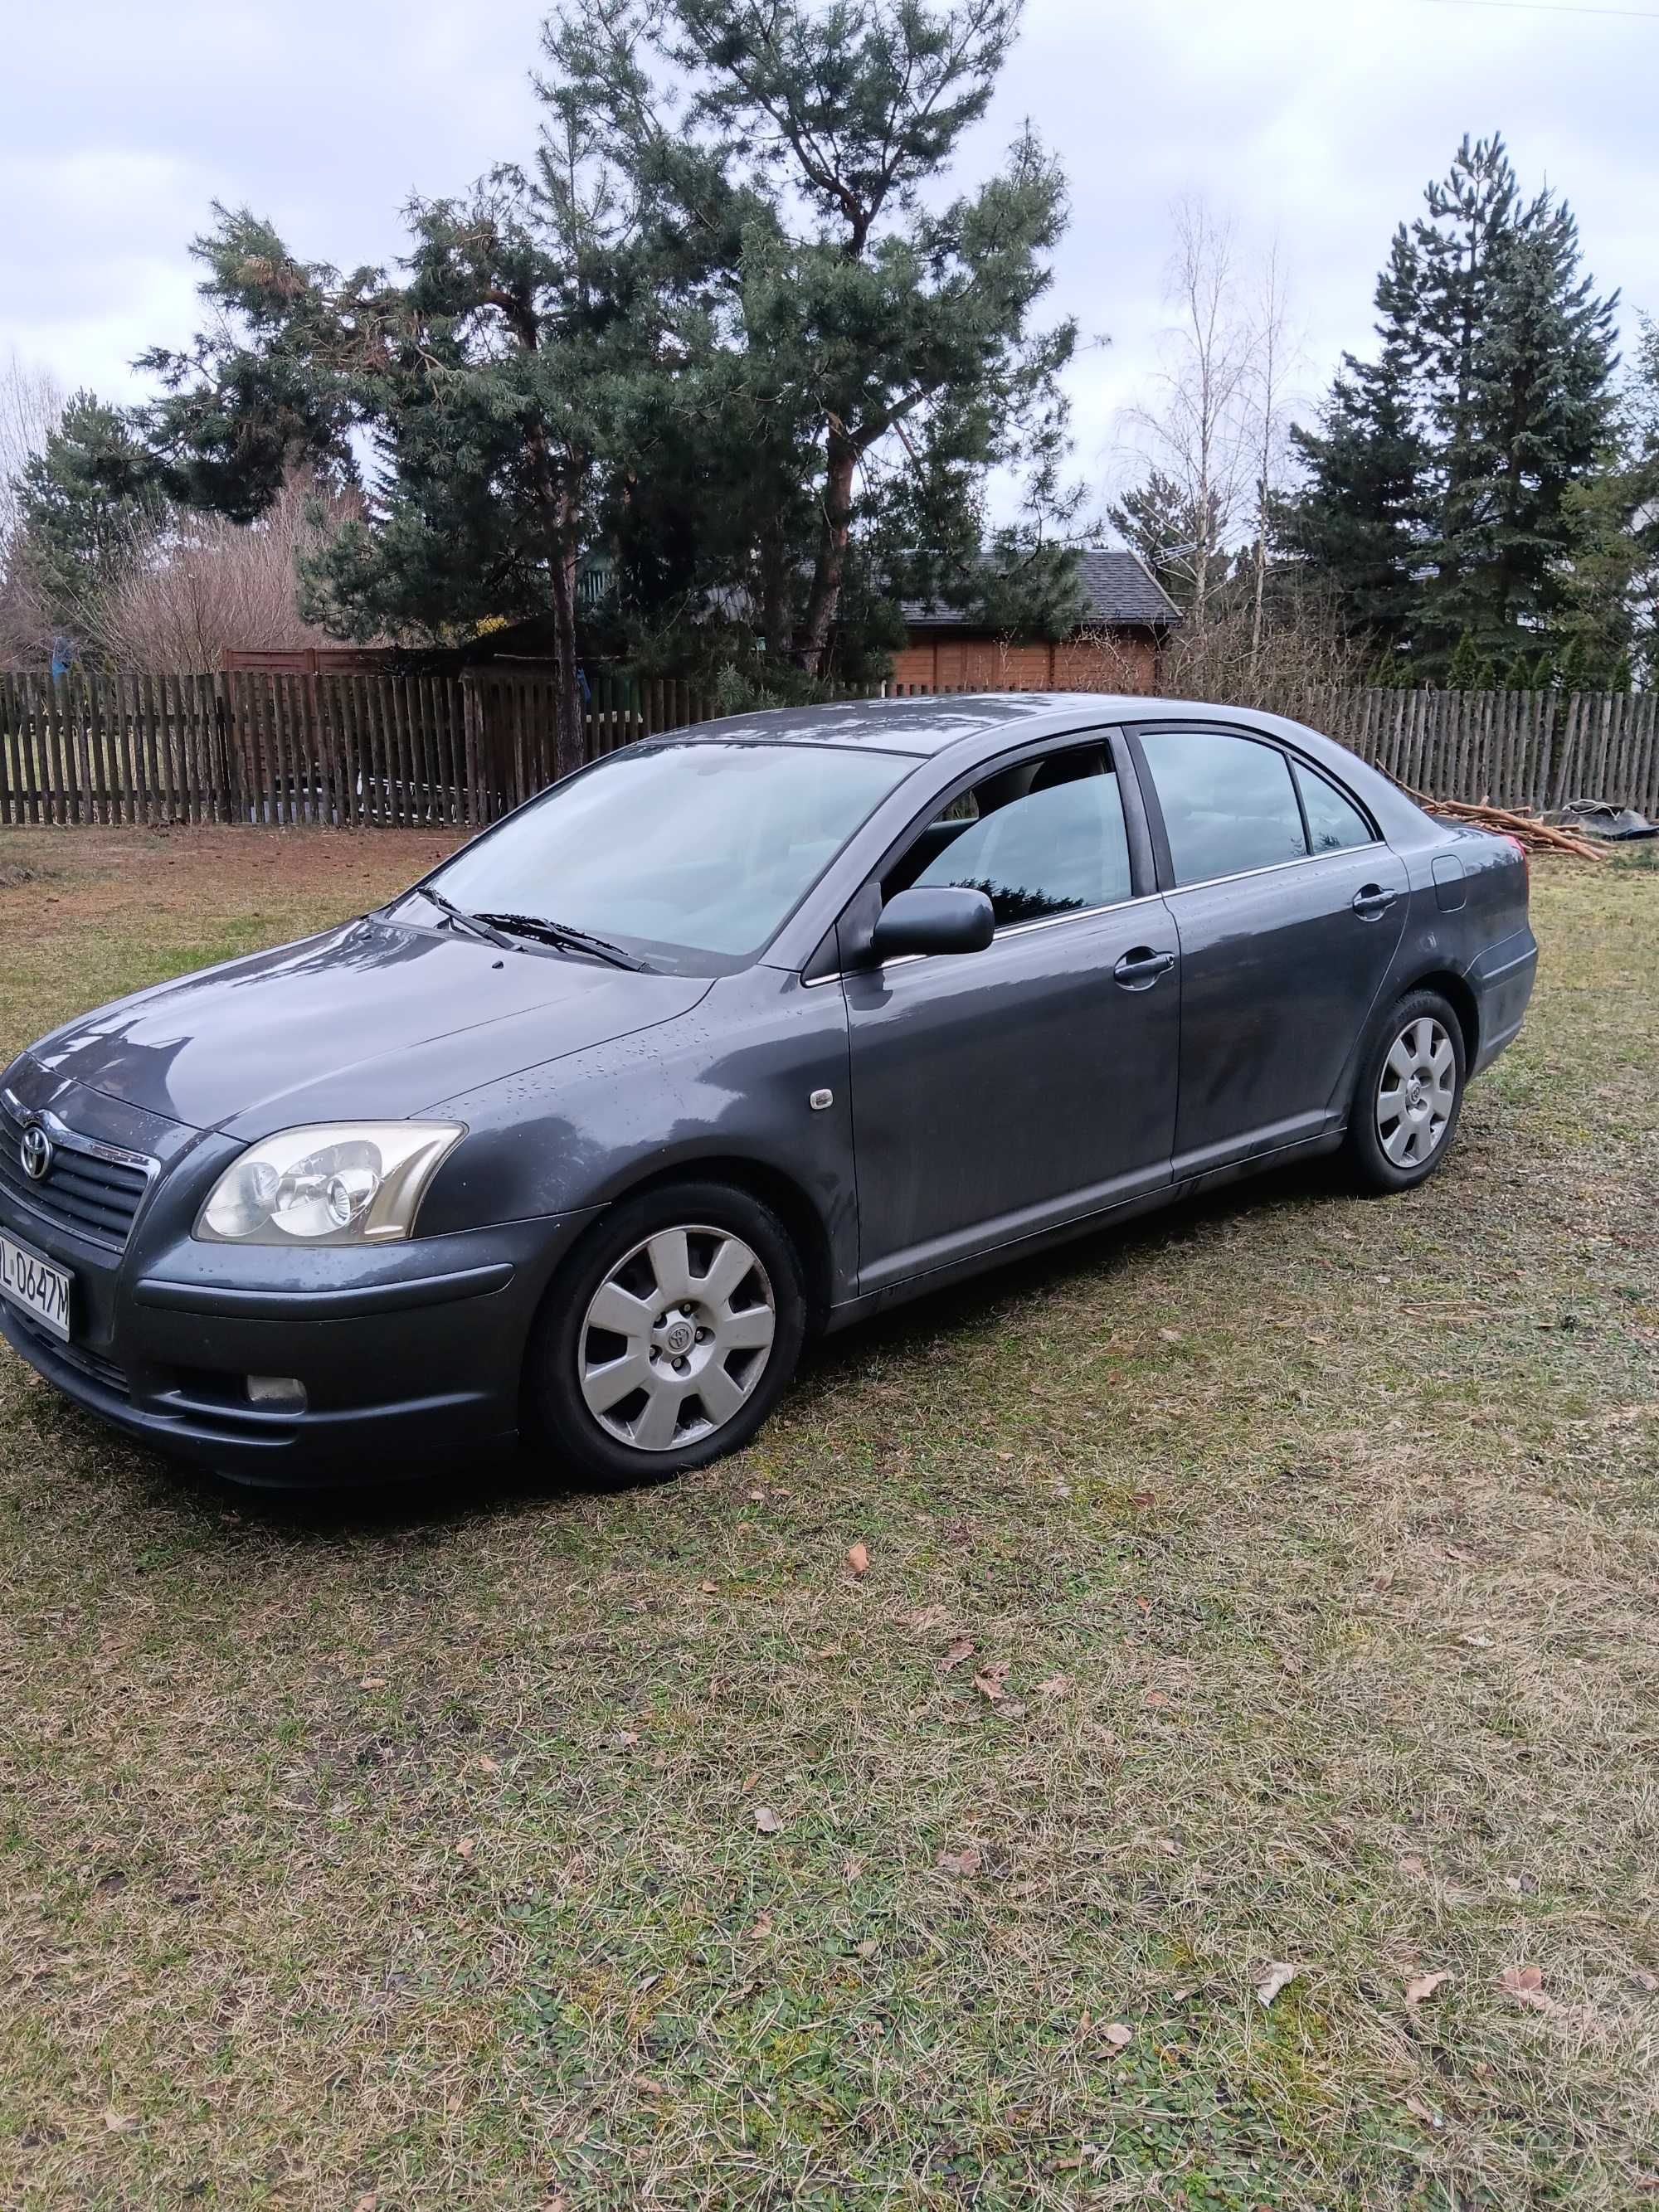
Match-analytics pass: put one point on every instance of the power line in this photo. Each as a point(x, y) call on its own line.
point(1553, 8)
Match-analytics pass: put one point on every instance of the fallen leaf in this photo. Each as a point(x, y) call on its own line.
point(372, 1683)
point(1117, 2034)
point(1156, 1698)
point(757, 1497)
point(831, 1652)
point(1426, 2113)
point(1275, 1975)
point(466, 1846)
point(1170, 1335)
point(1142, 1497)
point(1012, 1709)
point(1055, 1687)
point(625, 1739)
point(1527, 1984)
point(762, 1929)
point(1412, 1865)
point(1173, 1850)
point(767, 1821)
point(119, 2124)
point(1463, 1559)
point(989, 1682)
point(961, 1650)
point(868, 1948)
point(1424, 1985)
point(709, 1589)
point(1472, 1637)
point(967, 1861)
point(857, 1556)
point(489, 1766)
point(647, 2087)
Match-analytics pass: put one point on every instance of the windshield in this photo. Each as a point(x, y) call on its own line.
point(686, 854)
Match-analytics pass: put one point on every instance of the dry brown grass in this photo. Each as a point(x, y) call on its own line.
point(408, 1852)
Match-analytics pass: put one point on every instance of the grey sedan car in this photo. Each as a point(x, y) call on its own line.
point(734, 1036)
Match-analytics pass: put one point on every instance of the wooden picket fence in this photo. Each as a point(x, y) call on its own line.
point(414, 750)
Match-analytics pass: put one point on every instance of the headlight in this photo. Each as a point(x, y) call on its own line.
point(349, 1183)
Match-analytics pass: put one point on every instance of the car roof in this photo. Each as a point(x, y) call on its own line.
point(921, 726)
point(939, 722)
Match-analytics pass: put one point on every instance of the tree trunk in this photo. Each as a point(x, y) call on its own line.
point(569, 734)
point(812, 643)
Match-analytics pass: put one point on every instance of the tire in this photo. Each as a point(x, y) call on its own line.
point(1409, 1096)
point(614, 1354)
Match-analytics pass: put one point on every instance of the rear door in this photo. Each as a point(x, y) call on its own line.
point(1289, 909)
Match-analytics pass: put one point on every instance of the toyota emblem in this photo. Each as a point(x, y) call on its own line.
point(35, 1154)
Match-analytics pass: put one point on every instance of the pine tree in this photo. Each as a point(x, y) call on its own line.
point(262, 392)
point(87, 503)
point(856, 352)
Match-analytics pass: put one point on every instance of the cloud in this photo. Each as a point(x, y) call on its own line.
point(1315, 122)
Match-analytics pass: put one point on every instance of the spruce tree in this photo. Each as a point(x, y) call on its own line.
point(1361, 520)
point(1442, 484)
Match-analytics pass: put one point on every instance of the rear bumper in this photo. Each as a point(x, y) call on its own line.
point(1502, 981)
point(411, 1356)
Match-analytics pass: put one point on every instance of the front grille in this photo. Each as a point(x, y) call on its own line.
point(87, 1362)
point(82, 1191)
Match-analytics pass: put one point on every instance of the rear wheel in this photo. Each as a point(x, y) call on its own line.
point(669, 1336)
point(1409, 1095)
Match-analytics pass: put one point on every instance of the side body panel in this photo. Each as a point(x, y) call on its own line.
point(994, 1093)
point(1279, 978)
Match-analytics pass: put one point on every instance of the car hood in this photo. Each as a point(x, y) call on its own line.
point(372, 1021)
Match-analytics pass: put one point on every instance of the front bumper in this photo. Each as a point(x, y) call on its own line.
point(411, 1354)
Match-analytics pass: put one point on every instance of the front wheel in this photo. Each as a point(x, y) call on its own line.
point(1409, 1095)
point(669, 1336)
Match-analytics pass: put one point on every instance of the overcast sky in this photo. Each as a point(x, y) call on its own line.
point(1315, 121)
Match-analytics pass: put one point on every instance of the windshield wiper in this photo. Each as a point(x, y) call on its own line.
point(478, 924)
point(569, 940)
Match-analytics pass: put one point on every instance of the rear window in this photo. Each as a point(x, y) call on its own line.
point(1228, 802)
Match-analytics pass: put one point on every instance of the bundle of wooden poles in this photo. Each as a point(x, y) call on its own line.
point(1531, 830)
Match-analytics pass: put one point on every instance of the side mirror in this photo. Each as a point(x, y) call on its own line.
point(945, 920)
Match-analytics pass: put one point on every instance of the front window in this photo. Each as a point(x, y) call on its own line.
point(690, 856)
point(1044, 837)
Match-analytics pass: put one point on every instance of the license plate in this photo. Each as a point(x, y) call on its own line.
point(36, 1286)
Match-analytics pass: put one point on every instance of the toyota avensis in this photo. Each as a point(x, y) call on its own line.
point(735, 1036)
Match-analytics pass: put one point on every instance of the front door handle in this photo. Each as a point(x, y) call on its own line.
point(1140, 968)
point(1371, 902)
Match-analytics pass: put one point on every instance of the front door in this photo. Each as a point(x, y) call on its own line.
point(1289, 910)
point(999, 1093)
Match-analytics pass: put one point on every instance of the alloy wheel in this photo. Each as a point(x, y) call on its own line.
point(1416, 1092)
point(676, 1338)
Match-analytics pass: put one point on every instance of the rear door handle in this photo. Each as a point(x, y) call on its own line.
point(1371, 902)
point(1140, 968)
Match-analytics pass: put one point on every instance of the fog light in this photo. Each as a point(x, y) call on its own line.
point(281, 1394)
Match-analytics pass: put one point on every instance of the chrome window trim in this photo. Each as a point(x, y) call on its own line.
point(1117, 906)
point(1008, 929)
point(73, 1141)
point(1274, 867)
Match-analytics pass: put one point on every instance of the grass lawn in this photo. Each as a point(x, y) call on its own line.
point(1275, 1583)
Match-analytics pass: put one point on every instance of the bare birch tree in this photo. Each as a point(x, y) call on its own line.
point(1193, 436)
